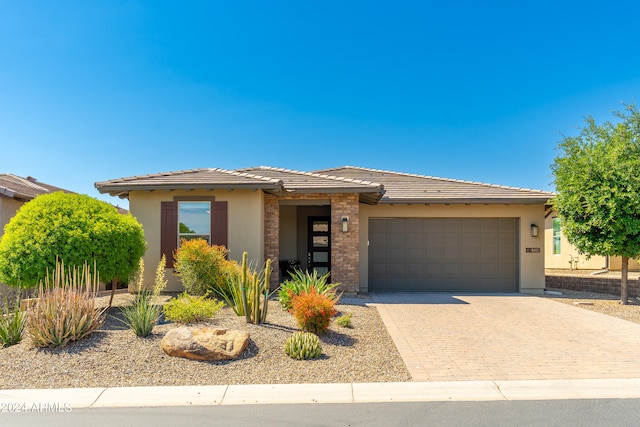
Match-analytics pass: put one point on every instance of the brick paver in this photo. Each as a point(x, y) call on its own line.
point(449, 337)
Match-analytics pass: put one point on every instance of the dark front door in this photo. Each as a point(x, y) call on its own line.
point(319, 245)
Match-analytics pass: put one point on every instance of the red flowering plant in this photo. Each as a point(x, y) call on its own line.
point(313, 311)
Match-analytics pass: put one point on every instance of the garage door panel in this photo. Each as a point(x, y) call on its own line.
point(415, 255)
point(470, 270)
point(471, 240)
point(489, 225)
point(433, 270)
point(378, 255)
point(452, 225)
point(379, 269)
point(415, 240)
point(415, 225)
point(443, 254)
point(506, 256)
point(395, 227)
point(451, 254)
point(395, 240)
point(506, 225)
point(471, 225)
point(415, 270)
point(395, 254)
point(434, 240)
point(396, 269)
point(470, 254)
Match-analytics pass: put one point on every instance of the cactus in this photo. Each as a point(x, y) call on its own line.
point(248, 292)
point(303, 345)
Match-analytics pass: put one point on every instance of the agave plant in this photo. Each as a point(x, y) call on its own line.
point(304, 281)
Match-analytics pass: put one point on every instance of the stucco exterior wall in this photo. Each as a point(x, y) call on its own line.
point(531, 265)
point(8, 209)
point(245, 225)
point(569, 252)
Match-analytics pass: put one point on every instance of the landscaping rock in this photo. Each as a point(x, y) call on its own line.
point(205, 343)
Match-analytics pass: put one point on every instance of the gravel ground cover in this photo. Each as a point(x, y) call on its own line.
point(601, 303)
point(114, 357)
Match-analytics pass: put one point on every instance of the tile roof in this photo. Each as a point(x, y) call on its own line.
point(310, 182)
point(374, 186)
point(412, 188)
point(24, 189)
point(205, 178)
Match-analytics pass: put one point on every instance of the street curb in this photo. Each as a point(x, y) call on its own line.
point(257, 394)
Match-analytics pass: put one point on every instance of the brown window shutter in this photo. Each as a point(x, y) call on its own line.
point(219, 224)
point(168, 230)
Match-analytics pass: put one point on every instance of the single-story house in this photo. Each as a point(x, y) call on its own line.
point(374, 230)
point(16, 191)
point(560, 254)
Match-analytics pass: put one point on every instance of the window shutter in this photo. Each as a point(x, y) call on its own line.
point(219, 224)
point(168, 230)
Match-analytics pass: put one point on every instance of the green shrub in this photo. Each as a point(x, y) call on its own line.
point(143, 314)
point(303, 282)
point(248, 291)
point(64, 309)
point(344, 320)
point(303, 345)
point(191, 308)
point(75, 228)
point(202, 268)
point(313, 311)
point(12, 322)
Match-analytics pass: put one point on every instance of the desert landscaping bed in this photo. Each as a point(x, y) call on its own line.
point(599, 302)
point(114, 357)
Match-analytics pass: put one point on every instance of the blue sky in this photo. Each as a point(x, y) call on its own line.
point(480, 91)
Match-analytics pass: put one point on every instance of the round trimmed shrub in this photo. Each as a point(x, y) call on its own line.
point(75, 228)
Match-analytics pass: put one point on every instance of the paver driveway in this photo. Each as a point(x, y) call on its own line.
point(451, 337)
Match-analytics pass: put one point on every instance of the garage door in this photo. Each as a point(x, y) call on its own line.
point(443, 254)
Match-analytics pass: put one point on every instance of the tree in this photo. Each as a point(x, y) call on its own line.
point(597, 178)
point(75, 228)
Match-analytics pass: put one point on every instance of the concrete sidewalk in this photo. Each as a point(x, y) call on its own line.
point(80, 398)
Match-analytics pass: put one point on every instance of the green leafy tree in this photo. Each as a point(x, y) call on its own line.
point(75, 228)
point(597, 178)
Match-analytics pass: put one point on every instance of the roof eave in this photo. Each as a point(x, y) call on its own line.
point(115, 189)
point(468, 201)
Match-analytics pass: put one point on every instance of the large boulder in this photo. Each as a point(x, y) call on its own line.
point(205, 343)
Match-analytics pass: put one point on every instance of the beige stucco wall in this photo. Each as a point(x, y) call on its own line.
point(531, 264)
point(8, 209)
point(246, 227)
point(568, 252)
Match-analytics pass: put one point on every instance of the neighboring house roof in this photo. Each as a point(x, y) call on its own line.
point(24, 189)
point(411, 188)
point(373, 186)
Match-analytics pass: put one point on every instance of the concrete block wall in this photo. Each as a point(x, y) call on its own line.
point(591, 284)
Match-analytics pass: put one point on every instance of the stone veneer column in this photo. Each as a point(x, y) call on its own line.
point(345, 250)
point(272, 236)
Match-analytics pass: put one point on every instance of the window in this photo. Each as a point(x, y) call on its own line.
point(190, 218)
point(556, 235)
point(194, 220)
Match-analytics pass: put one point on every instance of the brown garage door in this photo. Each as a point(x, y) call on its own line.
point(443, 254)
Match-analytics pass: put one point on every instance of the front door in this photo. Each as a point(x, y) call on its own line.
point(319, 245)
